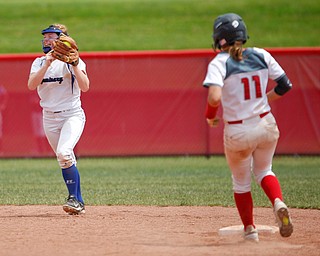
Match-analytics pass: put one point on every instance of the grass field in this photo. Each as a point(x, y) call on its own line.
point(107, 25)
point(158, 181)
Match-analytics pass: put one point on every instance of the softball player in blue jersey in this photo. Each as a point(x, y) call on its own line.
point(59, 86)
point(237, 79)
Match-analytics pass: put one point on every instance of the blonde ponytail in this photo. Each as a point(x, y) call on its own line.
point(235, 50)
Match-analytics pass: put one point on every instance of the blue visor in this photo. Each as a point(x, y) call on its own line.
point(51, 29)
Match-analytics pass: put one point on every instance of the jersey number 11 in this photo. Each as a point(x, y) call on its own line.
point(246, 83)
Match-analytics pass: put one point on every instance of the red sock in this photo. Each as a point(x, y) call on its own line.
point(271, 187)
point(244, 205)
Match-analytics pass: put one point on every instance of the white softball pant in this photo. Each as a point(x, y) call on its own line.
point(249, 147)
point(63, 131)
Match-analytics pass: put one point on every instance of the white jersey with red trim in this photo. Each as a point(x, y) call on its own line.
point(59, 89)
point(244, 83)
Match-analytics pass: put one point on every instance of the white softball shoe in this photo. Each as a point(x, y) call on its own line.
point(283, 218)
point(251, 234)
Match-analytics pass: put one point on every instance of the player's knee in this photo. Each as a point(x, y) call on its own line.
point(241, 187)
point(259, 176)
point(65, 160)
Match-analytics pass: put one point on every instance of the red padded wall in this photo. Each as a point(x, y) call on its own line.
point(152, 103)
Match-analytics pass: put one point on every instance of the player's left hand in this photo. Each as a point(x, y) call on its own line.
point(65, 49)
point(213, 122)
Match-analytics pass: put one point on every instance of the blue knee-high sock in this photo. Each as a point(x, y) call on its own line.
point(79, 190)
point(71, 178)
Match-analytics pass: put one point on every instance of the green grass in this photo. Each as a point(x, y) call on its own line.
point(107, 25)
point(158, 181)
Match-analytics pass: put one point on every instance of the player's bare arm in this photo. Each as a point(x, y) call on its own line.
point(35, 79)
point(214, 95)
point(214, 99)
point(283, 86)
point(82, 78)
point(272, 96)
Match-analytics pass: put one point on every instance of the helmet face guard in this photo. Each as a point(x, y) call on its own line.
point(227, 29)
point(50, 29)
point(46, 49)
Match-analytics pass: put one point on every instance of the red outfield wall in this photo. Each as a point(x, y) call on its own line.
point(152, 103)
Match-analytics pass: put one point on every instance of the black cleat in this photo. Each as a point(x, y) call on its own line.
point(73, 206)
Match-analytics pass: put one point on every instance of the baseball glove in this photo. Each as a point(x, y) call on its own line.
point(65, 49)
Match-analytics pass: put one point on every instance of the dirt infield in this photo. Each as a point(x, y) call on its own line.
point(150, 231)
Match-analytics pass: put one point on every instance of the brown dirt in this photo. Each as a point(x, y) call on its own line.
point(148, 230)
